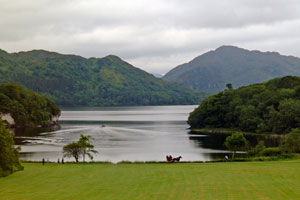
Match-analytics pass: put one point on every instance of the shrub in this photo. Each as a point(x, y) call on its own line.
point(257, 149)
point(236, 142)
point(291, 143)
point(271, 151)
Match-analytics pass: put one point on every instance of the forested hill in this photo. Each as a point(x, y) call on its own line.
point(74, 80)
point(211, 71)
point(25, 108)
point(273, 106)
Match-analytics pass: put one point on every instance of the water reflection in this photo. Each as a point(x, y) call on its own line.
point(216, 141)
point(208, 141)
point(23, 134)
point(145, 133)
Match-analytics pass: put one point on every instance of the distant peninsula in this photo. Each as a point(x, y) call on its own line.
point(269, 107)
point(20, 107)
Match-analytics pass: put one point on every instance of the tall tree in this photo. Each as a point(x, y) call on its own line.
point(87, 147)
point(80, 148)
point(73, 149)
point(9, 155)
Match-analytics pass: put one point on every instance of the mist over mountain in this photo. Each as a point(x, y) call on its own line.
point(74, 80)
point(157, 75)
point(211, 71)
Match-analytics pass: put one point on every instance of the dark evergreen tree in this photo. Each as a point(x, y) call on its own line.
point(9, 155)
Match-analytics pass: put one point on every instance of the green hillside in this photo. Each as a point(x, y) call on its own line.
point(273, 106)
point(74, 80)
point(211, 71)
point(26, 107)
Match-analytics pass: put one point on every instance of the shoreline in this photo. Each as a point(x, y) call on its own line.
point(288, 157)
point(230, 131)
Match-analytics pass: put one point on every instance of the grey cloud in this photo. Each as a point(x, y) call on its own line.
point(154, 35)
point(237, 13)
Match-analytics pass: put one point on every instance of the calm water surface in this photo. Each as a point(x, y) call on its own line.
point(143, 133)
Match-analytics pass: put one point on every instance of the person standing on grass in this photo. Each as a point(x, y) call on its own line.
point(43, 161)
point(62, 161)
point(226, 158)
point(58, 161)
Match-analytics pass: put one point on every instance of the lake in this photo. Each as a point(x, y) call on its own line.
point(135, 133)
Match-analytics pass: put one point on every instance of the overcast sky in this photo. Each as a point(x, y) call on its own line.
point(154, 35)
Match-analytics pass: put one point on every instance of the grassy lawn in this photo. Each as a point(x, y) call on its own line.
point(252, 180)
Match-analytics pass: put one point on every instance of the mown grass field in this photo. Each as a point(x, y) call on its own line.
point(248, 180)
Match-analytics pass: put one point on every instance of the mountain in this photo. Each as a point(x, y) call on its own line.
point(211, 71)
point(21, 107)
point(74, 80)
point(272, 106)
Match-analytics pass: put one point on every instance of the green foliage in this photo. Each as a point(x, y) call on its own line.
point(108, 81)
point(291, 143)
point(236, 142)
point(81, 148)
point(273, 106)
point(25, 106)
point(257, 149)
point(248, 118)
point(211, 71)
point(88, 148)
point(271, 151)
point(9, 155)
point(73, 149)
point(229, 86)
